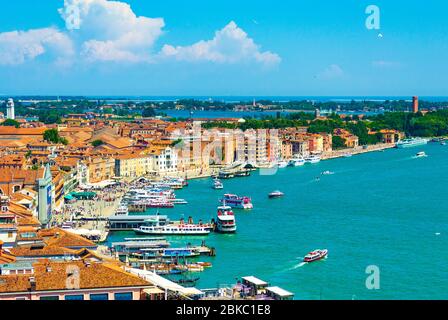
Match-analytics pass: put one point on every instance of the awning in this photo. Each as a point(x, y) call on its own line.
point(153, 290)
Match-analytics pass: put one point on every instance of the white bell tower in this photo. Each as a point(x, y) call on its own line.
point(10, 109)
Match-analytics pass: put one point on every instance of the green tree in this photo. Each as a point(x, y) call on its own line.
point(52, 135)
point(10, 123)
point(338, 142)
point(148, 112)
point(97, 143)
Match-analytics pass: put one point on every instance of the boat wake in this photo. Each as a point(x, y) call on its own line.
point(301, 264)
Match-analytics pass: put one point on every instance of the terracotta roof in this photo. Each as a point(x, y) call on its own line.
point(51, 275)
point(63, 238)
point(5, 256)
point(29, 176)
point(40, 250)
point(6, 130)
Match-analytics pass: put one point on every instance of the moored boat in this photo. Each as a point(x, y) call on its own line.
point(296, 162)
point(312, 159)
point(411, 142)
point(282, 164)
point(157, 226)
point(315, 255)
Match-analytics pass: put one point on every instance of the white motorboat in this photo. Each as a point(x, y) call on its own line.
point(313, 159)
point(296, 162)
point(282, 164)
point(217, 184)
point(421, 154)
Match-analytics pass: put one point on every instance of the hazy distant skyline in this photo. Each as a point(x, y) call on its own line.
point(211, 48)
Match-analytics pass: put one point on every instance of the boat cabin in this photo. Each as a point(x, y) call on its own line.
point(256, 286)
point(278, 293)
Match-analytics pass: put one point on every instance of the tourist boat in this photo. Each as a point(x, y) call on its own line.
point(327, 173)
point(162, 227)
point(276, 194)
point(312, 159)
point(282, 164)
point(411, 142)
point(217, 184)
point(296, 162)
point(225, 221)
point(421, 154)
point(235, 201)
point(315, 255)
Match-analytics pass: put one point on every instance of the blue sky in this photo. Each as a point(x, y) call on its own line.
point(198, 47)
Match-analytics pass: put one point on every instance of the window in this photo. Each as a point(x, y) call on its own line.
point(74, 297)
point(50, 298)
point(123, 296)
point(99, 296)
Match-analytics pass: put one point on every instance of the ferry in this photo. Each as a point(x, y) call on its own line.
point(235, 201)
point(225, 222)
point(315, 255)
point(312, 159)
point(158, 227)
point(296, 162)
point(217, 184)
point(276, 194)
point(411, 142)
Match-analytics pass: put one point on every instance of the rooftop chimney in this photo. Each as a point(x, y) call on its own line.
point(32, 283)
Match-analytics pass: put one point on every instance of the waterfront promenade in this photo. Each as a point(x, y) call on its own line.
point(358, 150)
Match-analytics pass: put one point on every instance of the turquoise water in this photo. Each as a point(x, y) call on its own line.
point(381, 208)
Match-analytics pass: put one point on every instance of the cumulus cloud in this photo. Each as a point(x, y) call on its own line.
point(111, 31)
point(230, 45)
point(18, 47)
point(333, 71)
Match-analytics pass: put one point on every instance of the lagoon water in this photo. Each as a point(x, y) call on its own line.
point(386, 209)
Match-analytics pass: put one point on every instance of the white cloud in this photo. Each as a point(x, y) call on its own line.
point(230, 45)
point(385, 64)
point(18, 47)
point(333, 71)
point(111, 31)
